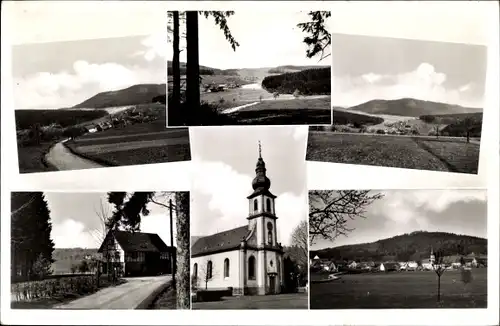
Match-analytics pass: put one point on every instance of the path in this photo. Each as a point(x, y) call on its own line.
point(60, 157)
point(125, 296)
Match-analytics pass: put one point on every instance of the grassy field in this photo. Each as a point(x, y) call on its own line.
point(424, 153)
point(401, 290)
point(167, 300)
point(31, 158)
point(279, 301)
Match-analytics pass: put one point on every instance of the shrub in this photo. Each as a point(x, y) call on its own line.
point(53, 288)
point(380, 132)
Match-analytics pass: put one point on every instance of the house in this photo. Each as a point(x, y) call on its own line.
point(389, 267)
point(247, 259)
point(137, 253)
point(352, 264)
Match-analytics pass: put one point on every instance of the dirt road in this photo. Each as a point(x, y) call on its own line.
point(125, 296)
point(60, 157)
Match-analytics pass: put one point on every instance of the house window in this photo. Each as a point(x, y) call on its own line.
point(226, 267)
point(164, 255)
point(268, 205)
point(195, 270)
point(251, 268)
point(209, 269)
point(255, 205)
point(270, 233)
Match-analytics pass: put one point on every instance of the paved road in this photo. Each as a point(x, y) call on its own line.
point(125, 296)
point(60, 157)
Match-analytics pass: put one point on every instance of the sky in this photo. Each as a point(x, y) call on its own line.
point(54, 75)
point(76, 223)
point(404, 211)
point(266, 38)
point(371, 67)
point(224, 162)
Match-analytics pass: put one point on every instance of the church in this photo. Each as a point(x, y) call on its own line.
point(247, 259)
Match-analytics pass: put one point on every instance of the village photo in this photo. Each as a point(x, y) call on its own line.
point(115, 250)
point(249, 228)
point(397, 249)
point(78, 108)
point(226, 69)
point(404, 103)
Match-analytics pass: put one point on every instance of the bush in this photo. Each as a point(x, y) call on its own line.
point(53, 288)
point(380, 132)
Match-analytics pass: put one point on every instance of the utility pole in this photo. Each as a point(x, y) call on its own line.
point(172, 258)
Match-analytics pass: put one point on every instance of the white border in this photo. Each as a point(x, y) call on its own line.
point(320, 176)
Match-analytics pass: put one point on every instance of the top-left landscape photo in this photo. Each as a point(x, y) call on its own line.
point(93, 103)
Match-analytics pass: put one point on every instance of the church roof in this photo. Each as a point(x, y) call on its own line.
point(225, 240)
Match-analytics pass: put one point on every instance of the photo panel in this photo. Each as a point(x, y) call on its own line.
point(398, 249)
point(404, 103)
point(226, 69)
point(98, 250)
point(249, 223)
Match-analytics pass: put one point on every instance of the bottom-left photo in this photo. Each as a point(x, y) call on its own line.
point(100, 250)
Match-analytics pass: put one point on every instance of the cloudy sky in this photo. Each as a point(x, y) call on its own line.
point(63, 74)
point(371, 67)
point(224, 162)
point(266, 38)
point(75, 222)
point(404, 211)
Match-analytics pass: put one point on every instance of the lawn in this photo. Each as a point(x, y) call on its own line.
point(136, 144)
point(424, 153)
point(167, 300)
point(31, 158)
point(399, 290)
point(279, 301)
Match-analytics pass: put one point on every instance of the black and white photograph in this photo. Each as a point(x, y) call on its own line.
point(114, 250)
point(227, 68)
point(404, 103)
point(249, 222)
point(395, 249)
point(93, 103)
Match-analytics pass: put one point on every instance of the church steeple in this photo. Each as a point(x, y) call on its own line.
point(261, 182)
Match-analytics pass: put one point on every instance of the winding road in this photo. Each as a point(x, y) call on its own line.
point(60, 157)
point(125, 296)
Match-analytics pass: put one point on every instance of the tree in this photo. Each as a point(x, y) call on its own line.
point(182, 200)
point(296, 93)
point(84, 266)
point(208, 271)
point(300, 239)
point(319, 38)
point(42, 267)
point(330, 211)
point(73, 268)
point(439, 268)
point(467, 124)
point(276, 95)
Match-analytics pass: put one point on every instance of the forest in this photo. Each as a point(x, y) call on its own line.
point(458, 124)
point(315, 81)
point(26, 119)
point(413, 246)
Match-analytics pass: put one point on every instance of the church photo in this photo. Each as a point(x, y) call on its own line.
point(249, 243)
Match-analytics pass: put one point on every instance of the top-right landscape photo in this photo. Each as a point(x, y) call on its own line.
point(403, 103)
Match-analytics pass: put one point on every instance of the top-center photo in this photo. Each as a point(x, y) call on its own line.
point(248, 68)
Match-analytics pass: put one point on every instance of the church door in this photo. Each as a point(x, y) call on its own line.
point(272, 284)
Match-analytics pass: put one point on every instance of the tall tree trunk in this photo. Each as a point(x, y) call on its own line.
point(176, 92)
point(468, 135)
point(182, 255)
point(193, 64)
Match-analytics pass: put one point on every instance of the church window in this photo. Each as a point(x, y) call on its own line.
point(255, 205)
point(209, 269)
point(226, 267)
point(268, 205)
point(251, 268)
point(195, 270)
point(270, 233)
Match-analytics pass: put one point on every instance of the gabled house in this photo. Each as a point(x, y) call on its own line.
point(137, 253)
point(389, 267)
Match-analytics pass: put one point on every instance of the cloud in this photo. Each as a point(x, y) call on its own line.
point(424, 83)
point(159, 224)
point(222, 191)
point(156, 47)
point(72, 234)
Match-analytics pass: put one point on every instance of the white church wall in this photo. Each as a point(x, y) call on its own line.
point(218, 281)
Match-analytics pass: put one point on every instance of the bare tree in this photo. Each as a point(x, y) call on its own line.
point(276, 95)
point(330, 211)
point(300, 239)
point(207, 271)
point(439, 268)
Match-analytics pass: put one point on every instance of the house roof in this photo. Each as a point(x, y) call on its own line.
point(391, 265)
point(139, 241)
point(229, 239)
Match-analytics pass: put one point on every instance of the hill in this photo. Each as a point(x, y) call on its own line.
point(409, 107)
point(133, 95)
point(314, 81)
point(64, 258)
point(413, 246)
point(25, 119)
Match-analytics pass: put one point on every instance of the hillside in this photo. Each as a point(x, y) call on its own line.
point(64, 258)
point(414, 246)
point(137, 94)
point(308, 82)
point(409, 107)
point(25, 119)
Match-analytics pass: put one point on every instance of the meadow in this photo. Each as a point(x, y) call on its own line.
point(401, 290)
point(410, 152)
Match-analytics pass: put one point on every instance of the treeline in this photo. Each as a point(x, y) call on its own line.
point(315, 81)
point(30, 243)
point(457, 124)
point(415, 246)
point(26, 119)
point(357, 120)
point(207, 71)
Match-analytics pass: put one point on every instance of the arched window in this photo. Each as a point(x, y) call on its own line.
point(226, 267)
point(209, 269)
point(251, 268)
point(255, 205)
point(268, 205)
point(195, 270)
point(269, 233)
